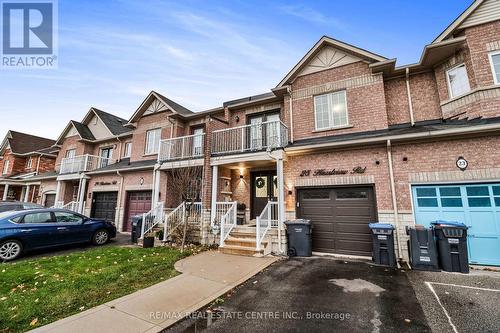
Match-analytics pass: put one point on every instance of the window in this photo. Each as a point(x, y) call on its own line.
point(458, 81)
point(495, 66)
point(45, 217)
point(70, 153)
point(478, 196)
point(427, 197)
point(64, 217)
point(6, 165)
point(197, 141)
point(317, 194)
point(152, 141)
point(106, 155)
point(29, 163)
point(352, 194)
point(128, 149)
point(330, 110)
point(450, 197)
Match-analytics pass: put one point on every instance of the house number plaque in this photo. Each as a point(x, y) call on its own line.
point(332, 172)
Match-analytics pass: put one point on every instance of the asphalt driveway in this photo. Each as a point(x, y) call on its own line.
point(454, 302)
point(318, 294)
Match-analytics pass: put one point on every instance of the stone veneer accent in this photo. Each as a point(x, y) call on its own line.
point(449, 176)
point(329, 181)
point(355, 82)
point(263, 108)
point(493, 46)
point(405, 218)
point(449, 107)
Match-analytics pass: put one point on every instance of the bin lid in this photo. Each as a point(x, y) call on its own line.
point(445, 223)
point(298, 221)
point(381, 226)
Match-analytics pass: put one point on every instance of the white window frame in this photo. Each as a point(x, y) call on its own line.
point(6, 166)
point(152, 150)
point(450, 91)
point(70, 153)
point(490, 56)
point(29, 163)
point(330, 113)
point(128, 149)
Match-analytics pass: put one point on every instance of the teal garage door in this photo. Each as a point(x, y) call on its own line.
point(476, 205)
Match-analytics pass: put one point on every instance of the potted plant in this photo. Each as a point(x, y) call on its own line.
point(148, 240)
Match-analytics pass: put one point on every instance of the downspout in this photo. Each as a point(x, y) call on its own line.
point(290, 107)
point(394, 200)
point(120, 198)
point(283, 195)
point(38, 163)
point(408, 92)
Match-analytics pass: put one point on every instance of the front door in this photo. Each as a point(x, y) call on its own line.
point(263, 190)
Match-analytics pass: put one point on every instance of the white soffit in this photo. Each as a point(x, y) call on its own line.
point(329, 57)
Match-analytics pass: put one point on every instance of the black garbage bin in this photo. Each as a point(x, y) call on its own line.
point(422, 249)
point(383, 244)
point(136, 228)
point(299, 235)
point(451, 239)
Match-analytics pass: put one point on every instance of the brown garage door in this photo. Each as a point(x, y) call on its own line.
point(340, 218)
point(104, 205)
point(137, 203)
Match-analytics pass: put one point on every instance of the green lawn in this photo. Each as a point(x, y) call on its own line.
point(39, 291)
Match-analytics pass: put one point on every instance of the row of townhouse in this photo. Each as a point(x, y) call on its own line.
point(346, 138)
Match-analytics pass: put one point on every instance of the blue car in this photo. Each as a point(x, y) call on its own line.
point(28, 230)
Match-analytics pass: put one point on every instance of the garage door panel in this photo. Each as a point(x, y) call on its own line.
point(137, 203)
point(104, 205)
point(340, 225)
point(358, 228)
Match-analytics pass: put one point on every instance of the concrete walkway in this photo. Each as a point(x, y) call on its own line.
point(204, 277)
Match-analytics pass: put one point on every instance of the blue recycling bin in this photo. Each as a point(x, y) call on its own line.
point(383, 244)
point(451, 237)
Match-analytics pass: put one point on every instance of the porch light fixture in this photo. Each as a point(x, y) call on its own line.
point(241, 176)
point(237, 119)
point(242, 171)
point(141, 181)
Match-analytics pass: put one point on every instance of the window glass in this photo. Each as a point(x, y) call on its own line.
point(449, 191)
point(261, 187)
point(8, 208)
point(474, 191)
point(70, 153)
point(324, 194)
point(152, 141)
point(495, 65)
point(427, 202)
point(197, 141)
point(496, 190)
point(16, 219)
point(458, 81)
point(64, 217)
point(6, 167)
point(426, 192)
point(479, 202)
point(451, 202)
point(128, 149)
point(330, 110)
point(44, 217)
point(352, 194)
point(497, 202)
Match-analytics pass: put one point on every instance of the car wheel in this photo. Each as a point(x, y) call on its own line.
point(101, 237)
point(10, 250)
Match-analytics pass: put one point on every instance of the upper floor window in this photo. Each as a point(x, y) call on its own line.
point(29, 163)
point(6, 165)
point(330, 110)
point(458, 81)
point(495, 66)
point(128, 149)
point(70, 153)
point(152, 141)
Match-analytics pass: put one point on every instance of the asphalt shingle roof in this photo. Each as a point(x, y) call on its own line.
point(177, 107)
point(126, 164)
point(83, 130)
point(22, 143)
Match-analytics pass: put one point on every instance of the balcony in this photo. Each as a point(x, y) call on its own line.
point(182, 148)
point(83, 163)
point(250, 138)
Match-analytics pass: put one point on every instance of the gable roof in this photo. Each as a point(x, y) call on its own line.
point(325, 40)
point(22, 143)
point(114, 123)
point(83, 130)
point(173, 106)
point(479, 12)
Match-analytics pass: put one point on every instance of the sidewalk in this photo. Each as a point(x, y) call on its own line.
point(204, 277)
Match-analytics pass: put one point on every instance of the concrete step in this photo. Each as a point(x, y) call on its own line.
point(239, 241)
point(241, 250)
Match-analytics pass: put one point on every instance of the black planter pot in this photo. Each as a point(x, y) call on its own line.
point(148, 242)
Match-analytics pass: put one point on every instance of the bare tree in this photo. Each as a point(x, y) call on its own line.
point(185, 185)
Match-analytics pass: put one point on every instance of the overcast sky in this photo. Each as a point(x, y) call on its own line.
point(199, 53)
